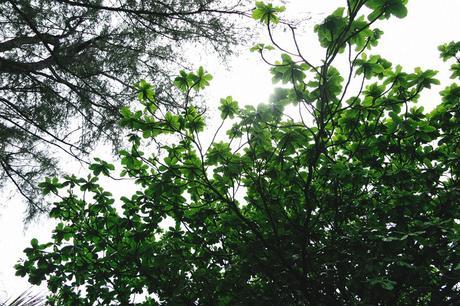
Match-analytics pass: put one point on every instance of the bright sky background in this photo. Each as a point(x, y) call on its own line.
point(411, 42)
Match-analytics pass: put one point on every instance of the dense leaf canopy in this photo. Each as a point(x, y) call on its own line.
point(66, 67)
point(324, 196)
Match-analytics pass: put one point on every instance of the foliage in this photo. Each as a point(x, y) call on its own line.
point(267, 13)
point(67, 66)
point(353, 200)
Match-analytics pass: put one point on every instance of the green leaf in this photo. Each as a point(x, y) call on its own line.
point(34, 243)
point(145, 91)
point(267, 13)
point(331, 27)
point(261, 47)
point(228, 107)
point(428, 128)
point(101, 167)
point(50, 185)
point(184, 80)
point(386, 8)
point(201, 79)
point(172, 121)
point(449, 50)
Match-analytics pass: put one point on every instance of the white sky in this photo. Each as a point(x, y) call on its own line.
point(411, 42)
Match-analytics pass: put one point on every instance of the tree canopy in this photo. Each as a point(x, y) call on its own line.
point(323, 196)
point(66, 67)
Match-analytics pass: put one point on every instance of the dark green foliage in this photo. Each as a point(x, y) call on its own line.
point(352, 201)
point(66, 67)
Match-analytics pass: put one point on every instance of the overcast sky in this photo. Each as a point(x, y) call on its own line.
point(411, 42)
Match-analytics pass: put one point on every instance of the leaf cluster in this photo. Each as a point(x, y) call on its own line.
point(352, 201)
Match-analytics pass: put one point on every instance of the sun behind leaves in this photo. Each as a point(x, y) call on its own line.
point(354, 201)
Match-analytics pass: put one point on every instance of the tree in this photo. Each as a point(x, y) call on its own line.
point(352, 200)
point(66, 67)
point(26, 298)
